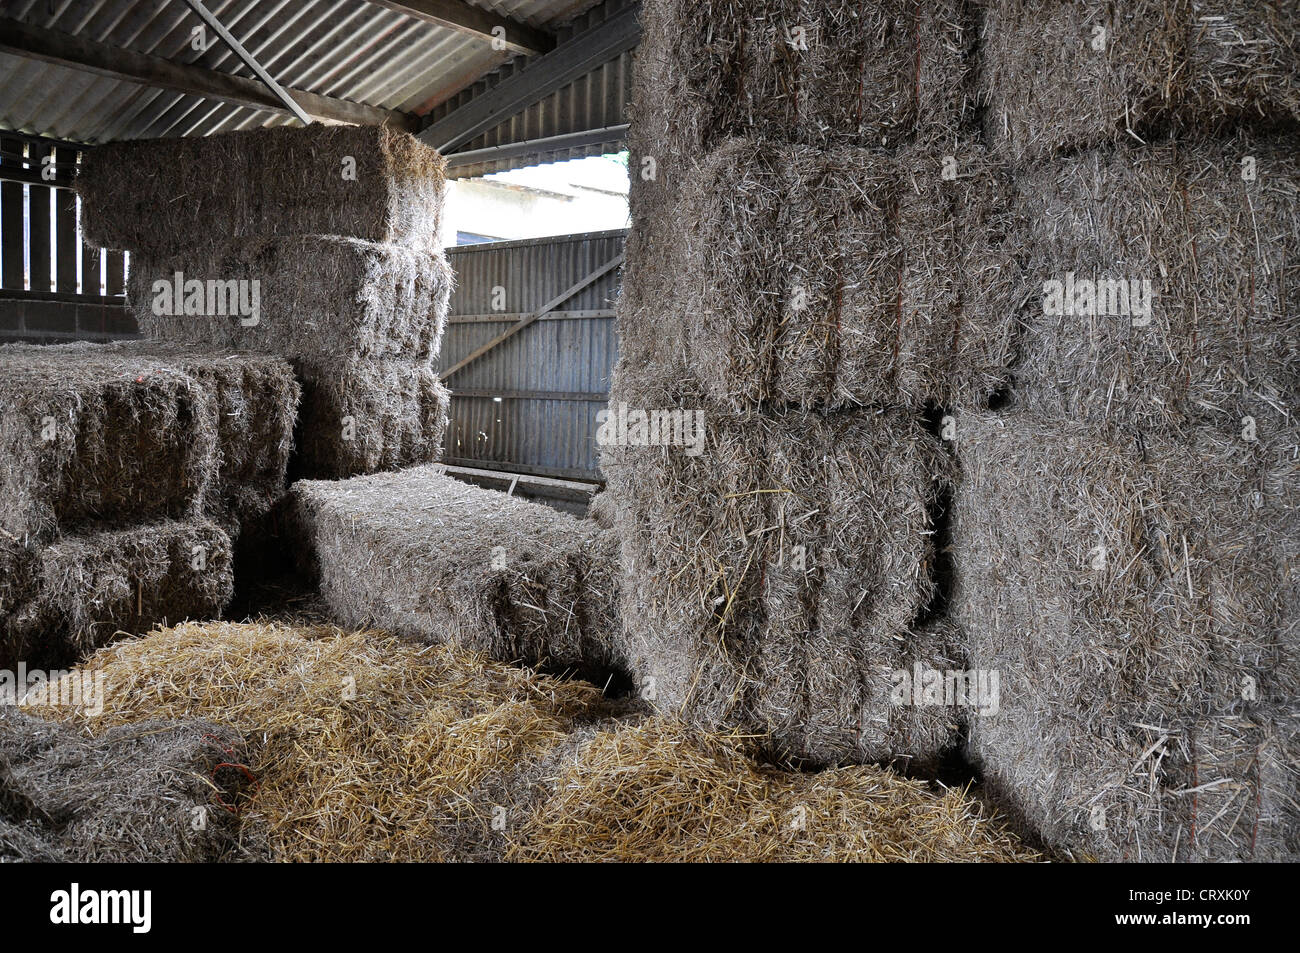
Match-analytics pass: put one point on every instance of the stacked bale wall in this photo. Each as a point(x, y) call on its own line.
point(338, 229)
point(822, 254)
point(130, 468)
point(1125, 531)
point(848, 218)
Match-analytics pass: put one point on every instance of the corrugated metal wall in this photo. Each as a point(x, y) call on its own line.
point(530, 404)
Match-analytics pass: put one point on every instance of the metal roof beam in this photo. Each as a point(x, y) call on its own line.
point(248, 59)
point(513, 150)
point(64, 49)
point(511, 35)
point(538, 79)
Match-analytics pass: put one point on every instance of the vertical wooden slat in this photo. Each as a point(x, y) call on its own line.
point(13, 234)
point(90, 258)
point(38, 224)
point(115, 272)
point(66, 238)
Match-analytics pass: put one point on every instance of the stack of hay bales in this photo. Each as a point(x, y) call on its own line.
point(822, 258)
point(1126, 533)
point(420, 554)
point(128, 468)
point(339, 226)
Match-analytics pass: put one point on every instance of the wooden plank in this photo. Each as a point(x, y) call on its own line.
point(589, 396)
point(19, 295)
point(63, 49)
point(551, 305)
point(248, 59)
point(38, 228)
point(114, 273)
point(66, 238)
point(563, 473)
point(514, 36)
point(13, 229)
point(90, 264)
point(516, 315)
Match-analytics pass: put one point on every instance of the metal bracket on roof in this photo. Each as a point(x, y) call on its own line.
point(248, 59)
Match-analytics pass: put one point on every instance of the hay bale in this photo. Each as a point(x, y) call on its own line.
point(146, 196)
point(761, 589)
point(134, 794)
point(423, 555)
point(1137, 594)
point(320, 297)
point(659, 792)
point(360, 416)
point(143, 430)
point(256, 401)
point(366, 748)
point(84, 590)
point(1188, 65)
point(1221, 259)
point(837, 278)
point(601, 511)
point(89, 435)
point(835, 72)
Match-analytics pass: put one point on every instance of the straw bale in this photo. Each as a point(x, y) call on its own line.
point(423, 555)
point(256, 400)
point(764, 587)
point(1136, 593)
point(601, 511)
point(836, 278)
point(158, 197)
point(835, 72)
point(1220, 255)
point(360, 416)
point(1187, 65)
point(88, 435)
point(320, 297)
point(156, 791)
point(82, 591)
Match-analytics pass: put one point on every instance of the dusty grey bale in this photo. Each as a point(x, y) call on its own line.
point(1186, 65)
point(601, 511)
point(158, 197)
point(834, 72)
point(763, 586)
point(361, 416)
point(1221, 258)
point(142, 430)
point(130, 795)
point(89, 435)
point(256, 399)
point(1137, 595)
point(83, 591)
point(320, 297)
point(835, 278)
point(423, 555)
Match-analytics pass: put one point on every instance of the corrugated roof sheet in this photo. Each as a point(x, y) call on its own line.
point(347, 49)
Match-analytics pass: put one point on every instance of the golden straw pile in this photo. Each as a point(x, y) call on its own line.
point(661, 792)
point(367, 748)
point(370, 748)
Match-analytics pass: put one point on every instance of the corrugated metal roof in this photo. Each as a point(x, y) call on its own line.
point(346, 49)
point(598, 100)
